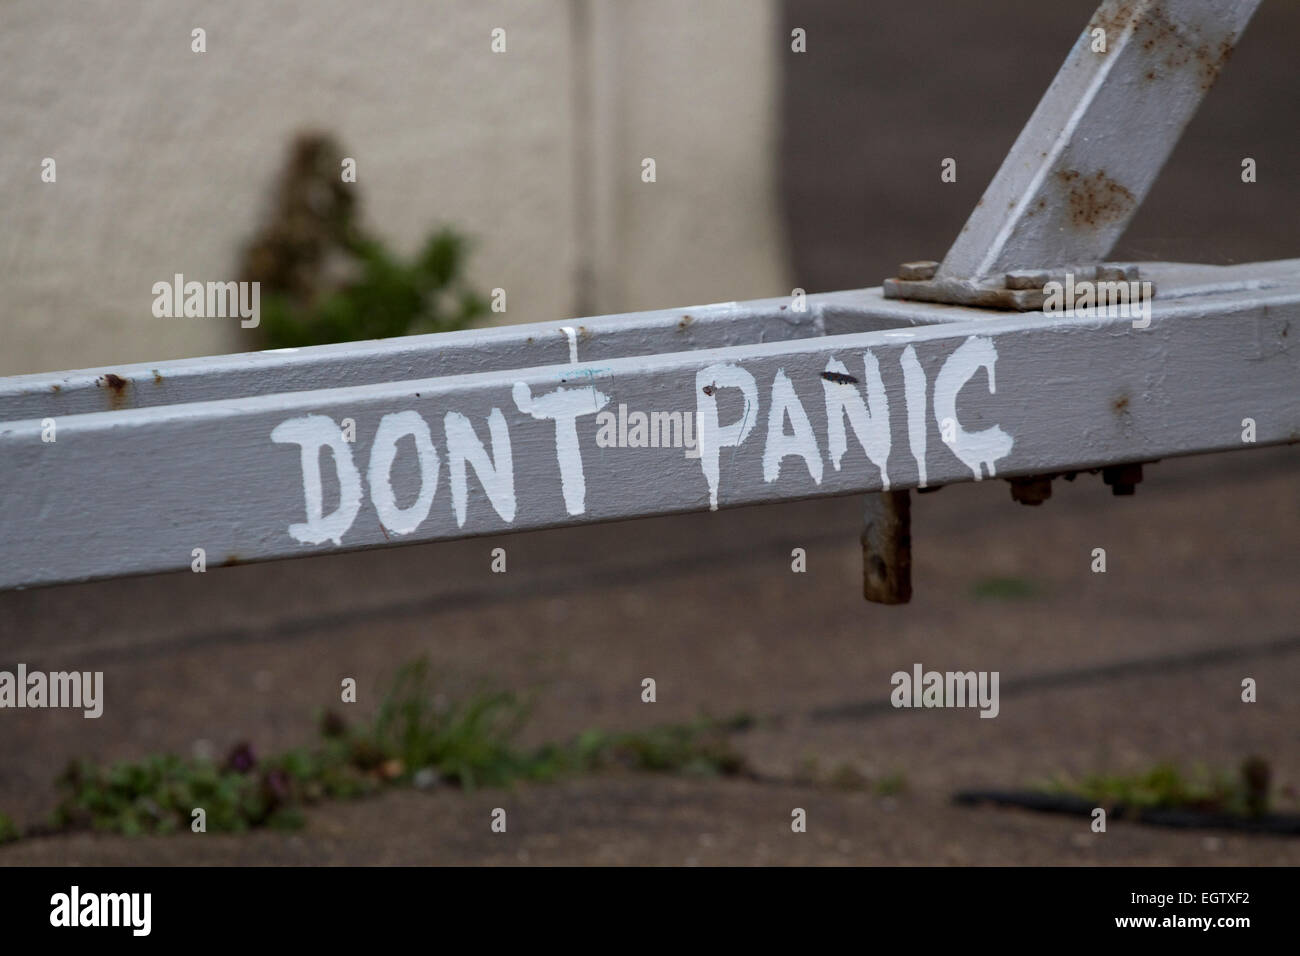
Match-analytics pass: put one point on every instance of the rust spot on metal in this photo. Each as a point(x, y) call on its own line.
point(710, 389)
point(839, 378)
point(157, 377)
point(1207, 60)
point(1174, 48)
point(1169, 45)
point(231, 561)
point(1120, 405)
point(1096, 199)
point(1214, 60)
point(56, 387)
point(116, 386)
point(686, 320)
point(583, 333)
point(1111, 17)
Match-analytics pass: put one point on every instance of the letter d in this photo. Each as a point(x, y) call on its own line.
point(314, 432)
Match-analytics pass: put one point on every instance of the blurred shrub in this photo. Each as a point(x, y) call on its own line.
point(388, 298)
point(323, 279)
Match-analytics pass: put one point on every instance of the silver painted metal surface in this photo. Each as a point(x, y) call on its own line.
point(1067, 190)
point(230, 459)
point(1099, 137)
point(137, 490)
point(239, 375)
point(143, 385)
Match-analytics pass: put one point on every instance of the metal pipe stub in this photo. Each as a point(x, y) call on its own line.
point(887, 548)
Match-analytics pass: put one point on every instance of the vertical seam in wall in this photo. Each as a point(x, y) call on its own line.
point(607, 146)
point(583, 152)
point(618, 197)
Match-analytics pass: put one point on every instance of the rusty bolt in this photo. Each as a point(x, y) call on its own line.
point(1123, 479)
point(917, 271)
point(1031, 490)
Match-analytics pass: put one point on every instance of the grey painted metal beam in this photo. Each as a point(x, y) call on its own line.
point(1099, 137)
point(247, 479)
point(150, 384)
point(244, 374)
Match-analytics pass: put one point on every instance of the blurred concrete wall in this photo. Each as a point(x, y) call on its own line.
point(164, 156)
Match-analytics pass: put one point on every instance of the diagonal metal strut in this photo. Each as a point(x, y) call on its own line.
point(1101, 133)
